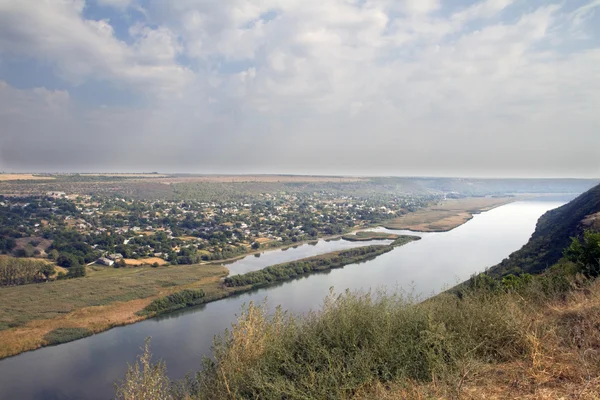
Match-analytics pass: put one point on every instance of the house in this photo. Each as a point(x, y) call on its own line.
point(115, 256)
point(105, 261)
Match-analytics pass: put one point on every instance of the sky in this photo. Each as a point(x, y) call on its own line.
point(492, 88)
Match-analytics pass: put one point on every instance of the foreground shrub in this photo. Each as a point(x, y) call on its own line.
point(358, 339)
point(145, 380)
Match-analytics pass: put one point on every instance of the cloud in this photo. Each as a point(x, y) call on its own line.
point(121, 4)
point(55, 32)
point(484, 9)
point(495, 87)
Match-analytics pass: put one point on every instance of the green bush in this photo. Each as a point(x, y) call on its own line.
point(63, 335)
point(586, 253)
point(175, 301)
point(358, 339)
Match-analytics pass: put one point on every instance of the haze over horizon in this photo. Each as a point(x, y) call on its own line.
point(492, 88)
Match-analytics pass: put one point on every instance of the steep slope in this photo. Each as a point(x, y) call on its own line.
point(552, 234)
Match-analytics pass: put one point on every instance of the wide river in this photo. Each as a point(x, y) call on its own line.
point(87, 368)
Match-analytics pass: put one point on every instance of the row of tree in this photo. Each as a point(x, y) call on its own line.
point(290, 270)
point(18, 271)
point(172, 302)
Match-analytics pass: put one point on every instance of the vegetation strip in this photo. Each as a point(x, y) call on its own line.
point(293, 269)
point(175, 301)
point(64, 335)
point(369, 236)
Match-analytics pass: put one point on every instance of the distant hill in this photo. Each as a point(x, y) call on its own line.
point(552, 234)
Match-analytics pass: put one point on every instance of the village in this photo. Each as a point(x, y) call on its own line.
point(79, 229)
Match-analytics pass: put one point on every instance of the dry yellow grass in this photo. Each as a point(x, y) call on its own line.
point(564, 362)
point(23, 177)
point(53, 305)
point(144, 261)
point(446, 216)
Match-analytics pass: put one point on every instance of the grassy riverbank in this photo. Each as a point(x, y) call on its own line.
point(105, 298)
point(34, 316)
point(293, 269)
point(530, 338)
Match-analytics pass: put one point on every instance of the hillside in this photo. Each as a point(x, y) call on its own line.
point(534, 337)
point(553, 233)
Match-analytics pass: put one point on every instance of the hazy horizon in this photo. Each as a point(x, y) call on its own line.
point(300, 174)
point(490, 88)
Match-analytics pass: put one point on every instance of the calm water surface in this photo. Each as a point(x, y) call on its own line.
point(254, 263)
point(87, 368)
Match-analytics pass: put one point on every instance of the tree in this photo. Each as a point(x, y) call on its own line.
point(256, 245)
point(67, 260)
point(20, 253)
point(48, 270)
point(586, 253)
point(76, 271)
point(53, 255)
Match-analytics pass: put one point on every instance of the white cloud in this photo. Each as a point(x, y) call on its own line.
point(483, 9)
point(55, 32)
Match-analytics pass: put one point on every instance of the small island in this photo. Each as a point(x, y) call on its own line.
point(367, 236)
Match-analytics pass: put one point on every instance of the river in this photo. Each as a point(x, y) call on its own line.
point(87, 368)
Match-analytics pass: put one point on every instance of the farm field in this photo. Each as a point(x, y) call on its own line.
point(24, 177)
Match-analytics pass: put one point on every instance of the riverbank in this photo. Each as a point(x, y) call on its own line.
point(448, 215)
point(111, 297)
point(105, 298)
point(531, 338)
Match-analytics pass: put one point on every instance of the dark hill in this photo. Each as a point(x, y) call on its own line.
point(552, 234)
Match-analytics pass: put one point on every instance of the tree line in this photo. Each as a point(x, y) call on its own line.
point(175, 301)
point(290, 270)
point(18, 271)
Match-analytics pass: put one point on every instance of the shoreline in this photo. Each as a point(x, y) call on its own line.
point(31, 336)
point(224, 262)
